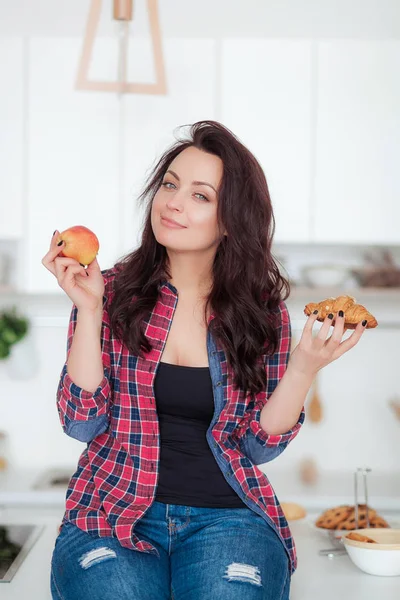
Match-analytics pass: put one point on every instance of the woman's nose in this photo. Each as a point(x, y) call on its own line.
point(175, 202)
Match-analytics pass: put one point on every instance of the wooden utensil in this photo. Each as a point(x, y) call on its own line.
point(315, 407)
point(308, 471)
point(395, 405)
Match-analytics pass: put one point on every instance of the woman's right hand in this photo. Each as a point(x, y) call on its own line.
point(85, 287)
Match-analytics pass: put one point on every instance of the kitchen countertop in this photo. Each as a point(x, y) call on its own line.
point(331, 578)
point(316, 576)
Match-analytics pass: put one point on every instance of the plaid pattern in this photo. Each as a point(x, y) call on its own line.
point(116, 477)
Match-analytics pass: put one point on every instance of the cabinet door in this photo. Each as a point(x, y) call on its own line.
point(266, 102)
point(151, 123)
point(11, 137)
point(358, 142)
point(73, 155)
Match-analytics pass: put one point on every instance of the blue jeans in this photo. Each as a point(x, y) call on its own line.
point(205, 554)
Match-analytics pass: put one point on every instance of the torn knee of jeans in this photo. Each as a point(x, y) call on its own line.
point(244, 573)
point(98, 555)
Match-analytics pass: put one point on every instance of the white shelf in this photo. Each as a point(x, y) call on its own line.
point(307, 293)
point(382, 302)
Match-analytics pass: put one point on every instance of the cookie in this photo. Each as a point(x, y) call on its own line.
point(351, 523)
point(378, 521)
point(360, 538)
point(332, 517)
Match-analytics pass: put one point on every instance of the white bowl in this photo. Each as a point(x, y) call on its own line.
point(382, 558)
point(325, 275)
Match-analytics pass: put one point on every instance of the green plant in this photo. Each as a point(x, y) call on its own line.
point(12, 329)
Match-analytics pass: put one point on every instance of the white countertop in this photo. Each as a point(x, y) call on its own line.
point(316, 577)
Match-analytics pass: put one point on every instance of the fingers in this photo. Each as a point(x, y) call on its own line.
point(308, 327)
point(338, 330)
point(351, 341)
point(66, 270)
point(320, 338)
point(61, 264)
point(48, 259)
point(94, 265)
point(324, 330)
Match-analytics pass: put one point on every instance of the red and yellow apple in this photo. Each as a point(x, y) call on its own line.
point(79, 243)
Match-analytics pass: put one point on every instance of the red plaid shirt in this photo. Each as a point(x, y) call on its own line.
point(116, 477)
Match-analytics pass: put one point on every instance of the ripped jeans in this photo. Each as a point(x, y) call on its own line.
point(205, 554)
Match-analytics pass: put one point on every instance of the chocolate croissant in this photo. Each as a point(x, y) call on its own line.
point(353, 312)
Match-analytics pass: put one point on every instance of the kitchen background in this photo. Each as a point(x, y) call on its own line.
point(311, 87)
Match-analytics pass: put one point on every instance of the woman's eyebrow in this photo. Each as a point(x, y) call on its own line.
point(193, 182)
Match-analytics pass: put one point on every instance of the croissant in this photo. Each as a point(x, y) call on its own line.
point(353, 312)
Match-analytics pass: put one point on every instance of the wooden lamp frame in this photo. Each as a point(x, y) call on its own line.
point(82, 81)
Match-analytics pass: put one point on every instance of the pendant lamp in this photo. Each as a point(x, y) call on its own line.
point(122, 13)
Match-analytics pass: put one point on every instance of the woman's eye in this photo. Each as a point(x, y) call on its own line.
point(166, 184)
point(202, 197)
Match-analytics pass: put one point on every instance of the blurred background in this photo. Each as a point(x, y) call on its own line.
point(87, 104)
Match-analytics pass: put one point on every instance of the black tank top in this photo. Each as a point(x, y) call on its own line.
point(188, 473)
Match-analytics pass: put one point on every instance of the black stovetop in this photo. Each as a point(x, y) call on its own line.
point(15, 543)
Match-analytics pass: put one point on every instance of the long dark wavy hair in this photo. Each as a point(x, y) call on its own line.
point(247, 283)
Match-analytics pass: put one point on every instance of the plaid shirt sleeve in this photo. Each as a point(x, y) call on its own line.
point(84, 414)
point(254, 442)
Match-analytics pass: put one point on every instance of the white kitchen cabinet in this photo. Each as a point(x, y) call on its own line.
point(73, 155)
point(266, 101)
point(151, 122)
point(11, 137)
point(358, 142)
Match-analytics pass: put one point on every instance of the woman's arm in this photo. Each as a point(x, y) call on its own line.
point(259, 441)
point(84, 388)
point(282, 411)
point(84, 364)
point(266, 430)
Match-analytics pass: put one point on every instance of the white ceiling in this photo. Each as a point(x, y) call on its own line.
point(214, 18)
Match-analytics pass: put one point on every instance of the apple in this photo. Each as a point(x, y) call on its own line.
point(80, 244)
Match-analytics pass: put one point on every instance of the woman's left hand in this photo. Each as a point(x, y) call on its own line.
point(315, 352)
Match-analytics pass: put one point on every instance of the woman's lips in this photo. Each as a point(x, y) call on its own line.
point(170, 224)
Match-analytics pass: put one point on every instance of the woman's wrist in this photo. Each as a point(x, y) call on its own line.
point(302, 378)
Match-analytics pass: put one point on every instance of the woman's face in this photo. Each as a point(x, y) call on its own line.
point(189, 195)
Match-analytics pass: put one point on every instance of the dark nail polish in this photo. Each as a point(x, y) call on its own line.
point(81, 265)
point(364, 322)
point(59, 243)
point(54, 232)
point(315, 312)
point(341, 313)
point(330, 316)
point(87, 273)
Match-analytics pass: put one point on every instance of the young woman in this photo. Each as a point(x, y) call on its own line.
point(178, 379)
